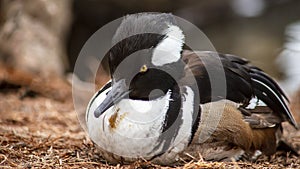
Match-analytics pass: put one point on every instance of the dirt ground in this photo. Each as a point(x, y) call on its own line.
point(40, 131)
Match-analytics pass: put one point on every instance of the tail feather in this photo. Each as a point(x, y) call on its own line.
point(270, 82)
point(264, 91)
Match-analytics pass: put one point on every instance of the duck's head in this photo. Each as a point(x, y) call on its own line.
point(145, 60)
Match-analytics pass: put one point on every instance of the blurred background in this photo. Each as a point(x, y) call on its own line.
point(45, 37)
point(254, 29)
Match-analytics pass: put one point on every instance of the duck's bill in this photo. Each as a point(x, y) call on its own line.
point(117, 93)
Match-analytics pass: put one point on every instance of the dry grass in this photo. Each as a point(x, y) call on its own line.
point(38, 132)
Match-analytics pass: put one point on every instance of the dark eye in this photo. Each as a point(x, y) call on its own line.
point(143, 69)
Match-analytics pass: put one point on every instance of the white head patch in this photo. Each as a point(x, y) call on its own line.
point(168, 50)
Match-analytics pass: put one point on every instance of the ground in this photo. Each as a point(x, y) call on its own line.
point(40, 131)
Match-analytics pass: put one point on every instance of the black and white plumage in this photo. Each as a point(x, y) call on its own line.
point(160, 106)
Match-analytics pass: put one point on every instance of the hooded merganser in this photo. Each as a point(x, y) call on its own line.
point(161, 105)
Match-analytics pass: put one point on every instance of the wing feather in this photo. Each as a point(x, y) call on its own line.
point(243, 81)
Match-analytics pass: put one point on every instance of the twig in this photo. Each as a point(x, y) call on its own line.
point(5, 158)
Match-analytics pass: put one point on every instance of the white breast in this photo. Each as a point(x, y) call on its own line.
point(131, 128)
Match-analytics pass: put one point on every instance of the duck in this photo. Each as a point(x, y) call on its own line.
point(167, 104)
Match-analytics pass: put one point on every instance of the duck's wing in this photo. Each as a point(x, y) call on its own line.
point(243, 82)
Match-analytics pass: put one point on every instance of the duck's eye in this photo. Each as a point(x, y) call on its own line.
point(144, 68)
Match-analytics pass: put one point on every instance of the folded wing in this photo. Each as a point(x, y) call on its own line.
point(243, 82)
